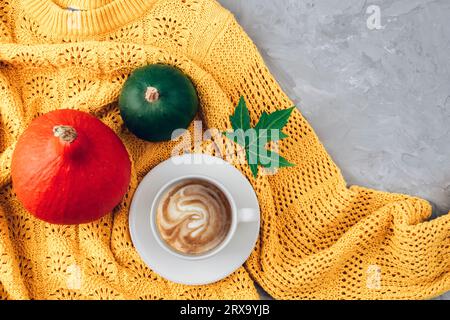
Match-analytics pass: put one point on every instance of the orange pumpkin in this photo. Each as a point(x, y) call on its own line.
point(69, 168)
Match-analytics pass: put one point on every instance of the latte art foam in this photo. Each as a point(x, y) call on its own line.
point(193, 217)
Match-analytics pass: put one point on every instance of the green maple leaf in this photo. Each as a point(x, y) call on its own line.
point(275, 120)
point(241, 117)
point(240, 121)
point(268, 129)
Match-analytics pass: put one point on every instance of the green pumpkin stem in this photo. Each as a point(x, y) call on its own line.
point(152, 94)
point(65, 133)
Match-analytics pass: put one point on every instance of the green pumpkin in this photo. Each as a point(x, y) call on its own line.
point(156, 100)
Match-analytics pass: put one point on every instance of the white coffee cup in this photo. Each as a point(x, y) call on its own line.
point(238, 215)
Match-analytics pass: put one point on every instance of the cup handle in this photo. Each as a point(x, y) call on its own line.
point(247, 215)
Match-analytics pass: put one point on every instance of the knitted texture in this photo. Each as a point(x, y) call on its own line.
point(319, 239)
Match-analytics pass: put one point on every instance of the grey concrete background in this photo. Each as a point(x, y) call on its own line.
point(377, 94)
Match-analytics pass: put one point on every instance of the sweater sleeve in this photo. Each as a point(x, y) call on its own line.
point(320, 239)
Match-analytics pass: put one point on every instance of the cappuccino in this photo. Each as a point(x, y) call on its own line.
point(193, 216)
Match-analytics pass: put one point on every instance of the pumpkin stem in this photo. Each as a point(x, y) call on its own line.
point(152, 94)
point(65, 133)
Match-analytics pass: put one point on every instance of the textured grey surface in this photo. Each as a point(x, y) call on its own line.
point(379, 99)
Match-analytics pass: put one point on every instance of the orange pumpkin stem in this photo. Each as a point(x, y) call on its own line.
point(152, 94)
point(65, 133)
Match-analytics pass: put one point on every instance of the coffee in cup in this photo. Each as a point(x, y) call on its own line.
point(193, 216)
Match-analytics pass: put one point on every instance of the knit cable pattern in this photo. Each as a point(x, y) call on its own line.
point(319, 239)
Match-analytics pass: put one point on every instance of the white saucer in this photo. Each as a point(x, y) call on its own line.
point(176, 269)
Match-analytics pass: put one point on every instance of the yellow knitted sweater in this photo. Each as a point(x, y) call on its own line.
point(319, 239)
